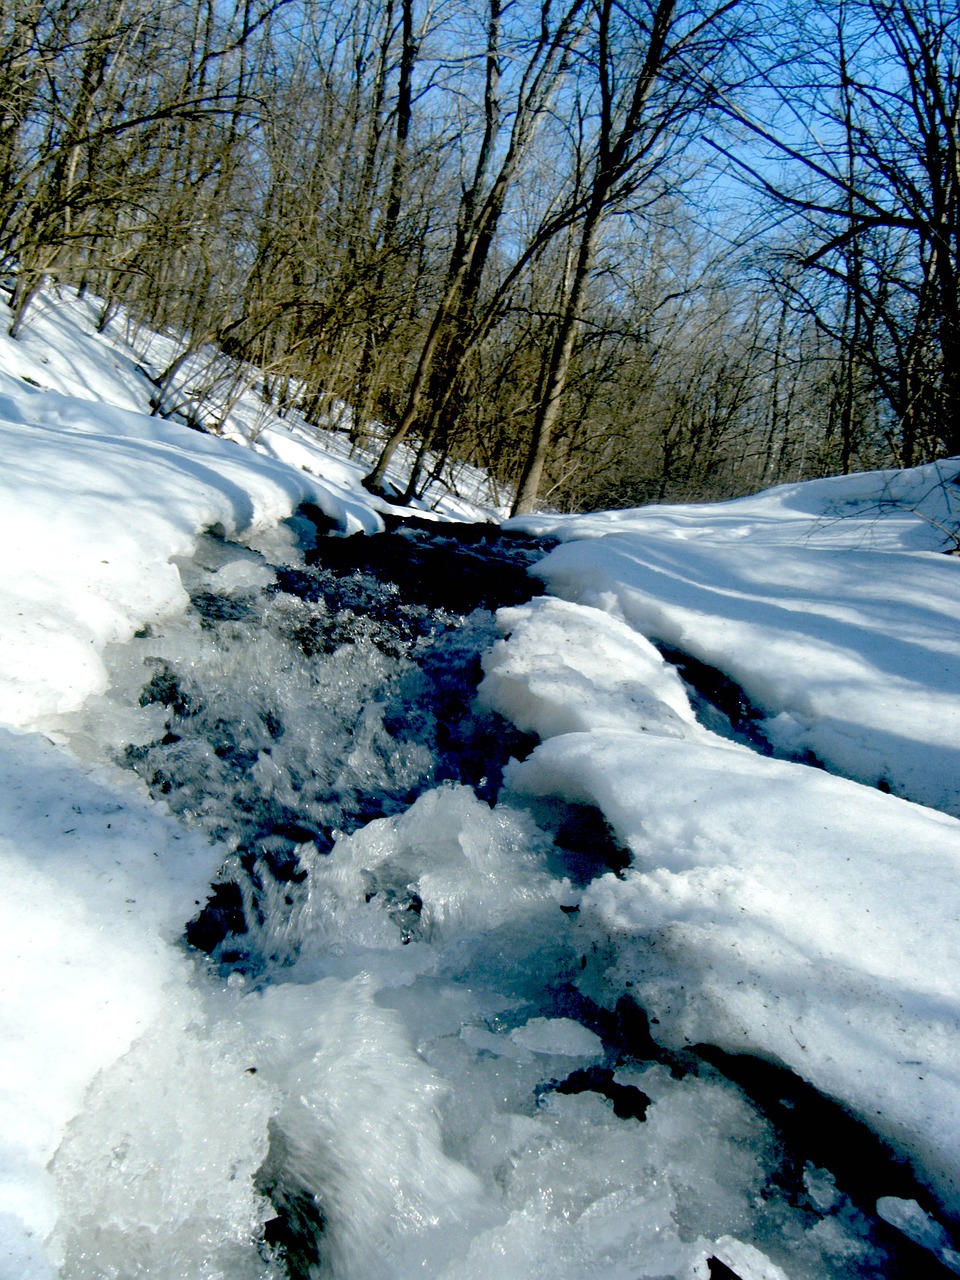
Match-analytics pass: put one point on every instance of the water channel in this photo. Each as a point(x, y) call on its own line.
point(388, 963)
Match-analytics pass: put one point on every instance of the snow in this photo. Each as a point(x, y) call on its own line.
point(95, 502)
point(831, 605)
point(558, 1036)
point(567, 667)
point(97, 498)
point(771, 907)
point(777, 910)
point(88, 959)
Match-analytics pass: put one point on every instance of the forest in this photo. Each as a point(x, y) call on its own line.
point(612, 251)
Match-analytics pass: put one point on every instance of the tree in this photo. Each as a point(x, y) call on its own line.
point(870, 175)
point(121, 89)
point(534, 84)
point(645, 112)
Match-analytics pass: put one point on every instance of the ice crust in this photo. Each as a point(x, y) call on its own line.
point(396, 1071)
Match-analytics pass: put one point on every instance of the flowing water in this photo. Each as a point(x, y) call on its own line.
point(383, 1066)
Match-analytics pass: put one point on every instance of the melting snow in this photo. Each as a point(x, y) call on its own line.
point(770, 907)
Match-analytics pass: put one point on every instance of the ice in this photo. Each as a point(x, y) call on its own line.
point(404, 1107)
point(560, 1036)
point(591, 1200)
point(746, 1261)
point(821, 1187)
point(156, 1175)
point(471, 868)
point(361, 1120)
point(360, 1102)
point(241, 577)
point(907, 1216)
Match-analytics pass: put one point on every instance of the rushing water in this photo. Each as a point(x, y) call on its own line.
point(385, 1067)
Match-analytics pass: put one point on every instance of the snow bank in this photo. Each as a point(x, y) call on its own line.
point(816, 599)
point(912, 510)
point(771, 908)
point(563, 667)
point(89, 914)
point(94, 504)
point(774, 909)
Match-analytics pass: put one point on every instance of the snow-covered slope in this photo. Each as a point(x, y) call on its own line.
point(771, 907)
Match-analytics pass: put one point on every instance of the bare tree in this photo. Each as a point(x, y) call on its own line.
point(645, 112)
point(870, 172)
point(483, 197)
point(123, 87)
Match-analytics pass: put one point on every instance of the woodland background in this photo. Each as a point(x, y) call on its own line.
point(614, 251)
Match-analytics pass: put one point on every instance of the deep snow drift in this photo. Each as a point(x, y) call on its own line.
point(422, 1079)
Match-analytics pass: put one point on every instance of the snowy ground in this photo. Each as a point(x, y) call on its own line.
point(773, 908)
point(805, 914)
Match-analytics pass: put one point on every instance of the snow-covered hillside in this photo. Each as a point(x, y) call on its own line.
point(796, 899)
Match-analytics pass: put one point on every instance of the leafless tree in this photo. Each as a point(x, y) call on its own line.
point(867, 148)
point(649, 60)
point(506, 138)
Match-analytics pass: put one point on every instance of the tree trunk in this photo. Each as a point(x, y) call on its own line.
point(555, 382)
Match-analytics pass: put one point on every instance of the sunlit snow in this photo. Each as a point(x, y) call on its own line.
point(419, 1073)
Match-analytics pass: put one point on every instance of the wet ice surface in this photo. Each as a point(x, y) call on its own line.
point(387, 1068)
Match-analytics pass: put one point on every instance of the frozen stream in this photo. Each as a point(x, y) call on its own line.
point(389, 1069)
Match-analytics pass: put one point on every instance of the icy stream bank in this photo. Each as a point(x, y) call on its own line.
point(405, 1002)
point(391, 1073)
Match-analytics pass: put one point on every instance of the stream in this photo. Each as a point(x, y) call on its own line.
point(388, 1053)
